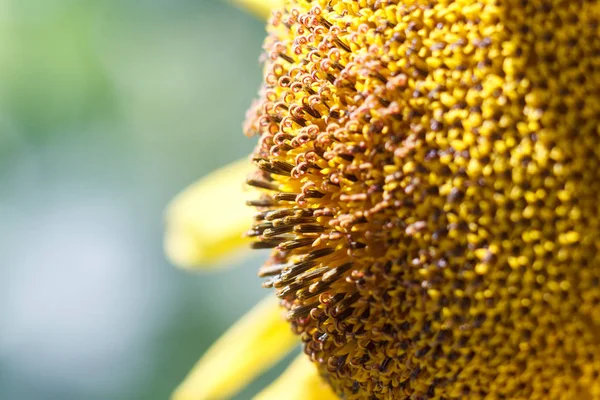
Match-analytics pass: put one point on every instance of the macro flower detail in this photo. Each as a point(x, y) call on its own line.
point(431, 177)
point(428, 175)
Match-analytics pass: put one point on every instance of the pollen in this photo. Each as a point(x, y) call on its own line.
point(430, 174)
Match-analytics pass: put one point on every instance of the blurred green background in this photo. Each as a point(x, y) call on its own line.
point(107, 110)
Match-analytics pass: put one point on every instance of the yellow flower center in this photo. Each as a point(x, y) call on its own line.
point(431, 172)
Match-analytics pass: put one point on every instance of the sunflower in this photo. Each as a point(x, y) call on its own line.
point(427, 175)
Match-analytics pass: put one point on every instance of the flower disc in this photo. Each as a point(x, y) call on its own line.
point(431, 177)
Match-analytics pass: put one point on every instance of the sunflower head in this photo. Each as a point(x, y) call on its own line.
point(431, 174)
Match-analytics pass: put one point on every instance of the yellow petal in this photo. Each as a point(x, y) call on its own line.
point(300, 381)
point(251, 346)
point(260, 8)
point(208, 219)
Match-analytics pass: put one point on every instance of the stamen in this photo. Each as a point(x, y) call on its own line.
point(302, 311)
point(262, 184)
point(270, 270)
point(295, 269)
point(295, 244)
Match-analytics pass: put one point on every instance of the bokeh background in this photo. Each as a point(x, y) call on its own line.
point(107, 110)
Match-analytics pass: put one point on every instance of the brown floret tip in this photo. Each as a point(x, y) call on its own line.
point(431, 180)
